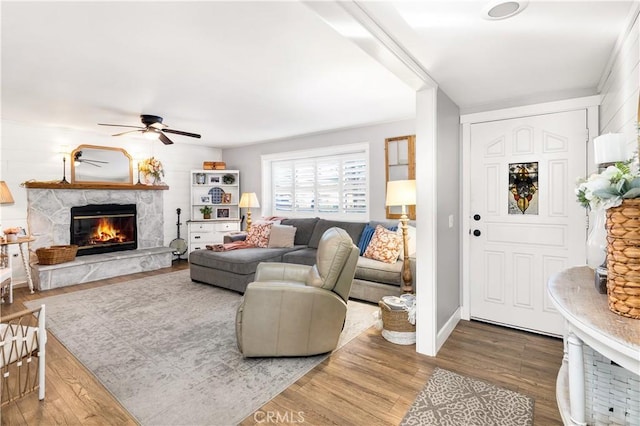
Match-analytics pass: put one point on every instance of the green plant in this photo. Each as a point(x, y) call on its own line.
point(206, 210)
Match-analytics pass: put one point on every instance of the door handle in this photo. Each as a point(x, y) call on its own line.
point(476, 232)
point(476, 217)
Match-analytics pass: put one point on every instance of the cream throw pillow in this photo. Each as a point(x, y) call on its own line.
point(282, 236)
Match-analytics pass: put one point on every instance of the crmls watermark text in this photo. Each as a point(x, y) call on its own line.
point(278, 417)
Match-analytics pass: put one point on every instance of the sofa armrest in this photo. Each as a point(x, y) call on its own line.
point(234, 236)
point(275, 271)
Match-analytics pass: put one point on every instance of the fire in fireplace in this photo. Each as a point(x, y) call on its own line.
point(104, 228)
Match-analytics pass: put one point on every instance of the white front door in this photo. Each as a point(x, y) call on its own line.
point(525, 222)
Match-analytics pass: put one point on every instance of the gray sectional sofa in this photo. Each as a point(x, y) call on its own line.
point(235, 269)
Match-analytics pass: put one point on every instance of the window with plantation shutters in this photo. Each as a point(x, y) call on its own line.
point(322, 183)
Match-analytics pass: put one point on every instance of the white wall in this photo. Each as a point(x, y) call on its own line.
point(448, 189)
point(247, 159)
point(31, 152)
point(619, 86)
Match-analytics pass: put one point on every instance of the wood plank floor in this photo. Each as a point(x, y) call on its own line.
point(368, 381)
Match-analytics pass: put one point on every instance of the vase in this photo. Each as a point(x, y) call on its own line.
point(597, 240)
point(149, 179)
point(623, 258)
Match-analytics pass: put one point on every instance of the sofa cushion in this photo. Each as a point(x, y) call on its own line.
point(304, 229)
point(241, 261)
point(354, 229)
point(282, 236)
point(381, 272)
point(385, 245)
point(305, 256)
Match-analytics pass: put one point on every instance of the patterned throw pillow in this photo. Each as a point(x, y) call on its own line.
point(385, 245)
point(259, 234)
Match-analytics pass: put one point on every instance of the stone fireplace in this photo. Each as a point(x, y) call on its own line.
point(49, 216)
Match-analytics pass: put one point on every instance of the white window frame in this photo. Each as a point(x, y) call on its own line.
point(268, 159)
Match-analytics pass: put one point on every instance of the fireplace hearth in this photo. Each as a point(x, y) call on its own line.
point(103, 228)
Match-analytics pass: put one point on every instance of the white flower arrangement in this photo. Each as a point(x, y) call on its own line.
point(608, 188)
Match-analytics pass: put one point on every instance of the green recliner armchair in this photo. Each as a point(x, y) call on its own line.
point(298, 310)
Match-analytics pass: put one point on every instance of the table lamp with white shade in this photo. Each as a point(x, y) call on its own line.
point(403, 193)
point(248, 201)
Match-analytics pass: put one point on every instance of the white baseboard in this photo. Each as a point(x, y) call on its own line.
point(447, 329)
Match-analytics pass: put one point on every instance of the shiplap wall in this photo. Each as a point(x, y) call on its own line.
point(619, 87)
point(31, 152)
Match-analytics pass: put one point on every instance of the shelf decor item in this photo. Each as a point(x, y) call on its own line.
point(214, 165)
point(228, 179)
point(206, 212)
point(217, 195)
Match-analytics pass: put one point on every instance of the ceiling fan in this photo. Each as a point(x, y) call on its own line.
point(153, 129)
point(77, 157)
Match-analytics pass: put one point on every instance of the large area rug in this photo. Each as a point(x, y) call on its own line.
point(165, 347)
point(451, 399)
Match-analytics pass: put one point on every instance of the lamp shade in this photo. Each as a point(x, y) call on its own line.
point(401, 193)
point(249, 200)
point(610, 148)
point(5, 194)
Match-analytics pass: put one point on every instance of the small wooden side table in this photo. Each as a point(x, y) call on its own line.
point(4, 250)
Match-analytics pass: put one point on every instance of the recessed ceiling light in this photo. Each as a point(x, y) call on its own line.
point(501, 9)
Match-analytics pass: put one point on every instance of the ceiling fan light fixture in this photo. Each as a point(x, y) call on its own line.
point(151, 134)
point(501, 9)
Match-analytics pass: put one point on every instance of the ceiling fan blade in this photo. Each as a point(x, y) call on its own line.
point(165, 140)
point(128, 131)
point(120, 125)
point(179, 132)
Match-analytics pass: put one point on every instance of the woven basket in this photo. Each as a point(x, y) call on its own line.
point(396, 327)
point(623, 258)
point(395, 320)
point(56, 254)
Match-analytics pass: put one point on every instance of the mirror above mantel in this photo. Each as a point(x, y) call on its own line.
point(92, 164)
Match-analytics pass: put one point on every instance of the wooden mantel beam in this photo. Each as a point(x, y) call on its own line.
point(110, 186)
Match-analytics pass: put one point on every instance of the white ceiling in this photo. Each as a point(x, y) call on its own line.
point(243, 72)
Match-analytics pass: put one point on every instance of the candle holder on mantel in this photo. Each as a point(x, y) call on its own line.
point(64, 170)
